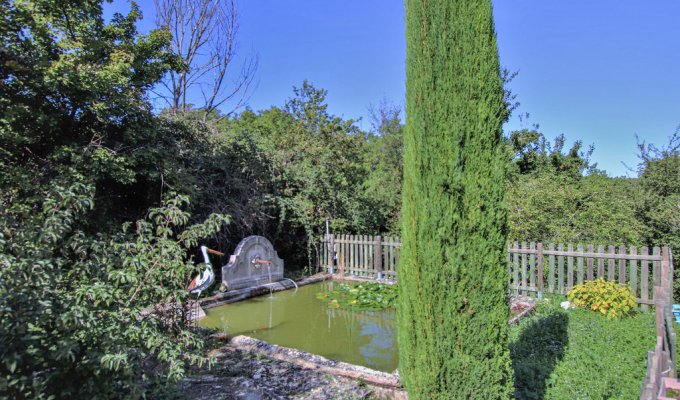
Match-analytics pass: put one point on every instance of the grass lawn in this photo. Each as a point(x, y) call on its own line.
point(578, 354)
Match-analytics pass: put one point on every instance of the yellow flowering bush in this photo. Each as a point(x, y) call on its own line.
point(609, 298)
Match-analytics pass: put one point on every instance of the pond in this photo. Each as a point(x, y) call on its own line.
point(301, 321)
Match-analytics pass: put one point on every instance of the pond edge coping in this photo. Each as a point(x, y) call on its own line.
point(233, 296)
point(318, 363)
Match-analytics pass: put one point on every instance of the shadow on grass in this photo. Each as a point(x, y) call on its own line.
point(534, 355)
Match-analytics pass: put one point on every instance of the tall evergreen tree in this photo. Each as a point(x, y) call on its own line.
point(453, 310)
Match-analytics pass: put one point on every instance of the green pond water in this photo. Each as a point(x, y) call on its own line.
point(301, 321)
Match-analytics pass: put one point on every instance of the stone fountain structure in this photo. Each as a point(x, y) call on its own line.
point(254, 269)
point(254, 263)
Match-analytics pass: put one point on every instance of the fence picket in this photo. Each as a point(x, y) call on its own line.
point(532, 266)
point(611, 264)
point(644, 278)
point(570, 268)
point(515, 268)
point(600, 263)
point(321, 255)
point(383, 254)
point(508, 263)
point(539, 275)
point(359, 254)
point(388, 250)
point(579, 262)
point(524, 269)
point(352, 252)
point(633, 271)
point(367, 255)
point(377, 255)
point(622, 265)
point(344, 255)
point(591, 266)
point(655, 267)
point(560, 269)
point(396, 255)
point(551, 273)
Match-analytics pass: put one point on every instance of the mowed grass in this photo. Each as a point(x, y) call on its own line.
point(579, 354)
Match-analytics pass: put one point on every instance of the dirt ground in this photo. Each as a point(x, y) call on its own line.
point(251, 376)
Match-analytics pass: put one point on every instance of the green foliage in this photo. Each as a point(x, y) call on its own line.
point(362, 296)
point(74, 97)
point(609, 298)
point(93, 317)
point(531, 153)
point(560, 355)
point(557, 195)
point(659, 208)
point(279, 172)
point(382, 187)
point(560, 208)
point(452, 312)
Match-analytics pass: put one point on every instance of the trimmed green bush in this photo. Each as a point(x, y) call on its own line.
point(453, 314)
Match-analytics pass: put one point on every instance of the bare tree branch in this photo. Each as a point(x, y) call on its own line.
point(204, 37)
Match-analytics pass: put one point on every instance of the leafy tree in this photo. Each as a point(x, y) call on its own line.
point(659, 210)
point(453, 338)
point(87, 317)
point(80, 153)
point(279, 172)
point(382, 187)
point(73, 95)
point(317, 165)
point(531, 153)
point(559, 196)
point(553, 207)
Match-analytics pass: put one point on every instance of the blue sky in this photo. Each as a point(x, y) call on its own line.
point(599, 71)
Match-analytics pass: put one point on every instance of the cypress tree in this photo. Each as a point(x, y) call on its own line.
point(453, 311)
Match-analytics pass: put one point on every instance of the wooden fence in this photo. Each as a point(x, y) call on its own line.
point(532, 267)
point(661, 362)
point(555, 268)
point(357, 255)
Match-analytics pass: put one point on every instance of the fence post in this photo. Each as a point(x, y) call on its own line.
point(331, 253)
point(666, 274)
point(377, 256)
point(515, 268)
point(342, 259)
point(539, 261)
point(622, 265)
point(590, 263)
point(659, 303)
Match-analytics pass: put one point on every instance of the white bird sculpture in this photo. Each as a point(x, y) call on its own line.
point(204, 280)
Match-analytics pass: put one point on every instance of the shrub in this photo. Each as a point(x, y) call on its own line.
point(611, 299)
point(74, 320)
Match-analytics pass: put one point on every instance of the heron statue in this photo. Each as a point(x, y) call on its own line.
point(205, 279)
